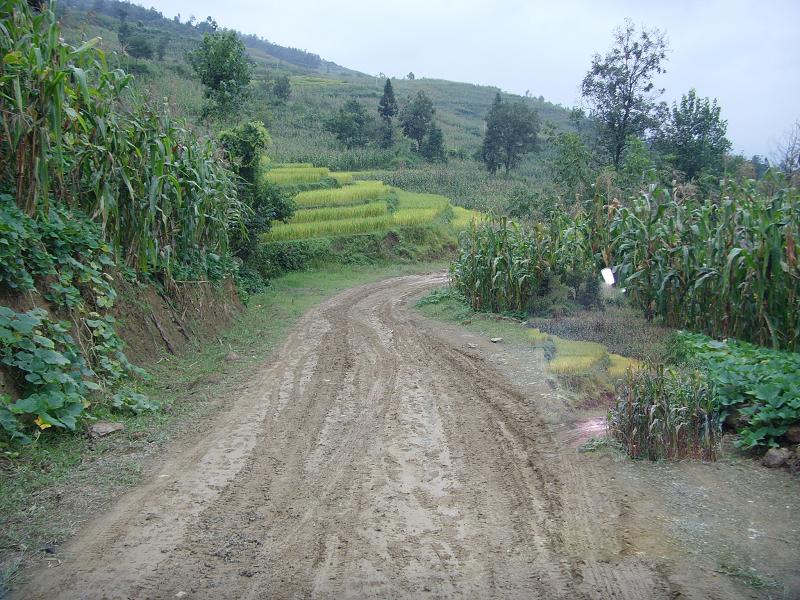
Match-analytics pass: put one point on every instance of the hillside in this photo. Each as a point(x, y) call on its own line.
point(319, 87)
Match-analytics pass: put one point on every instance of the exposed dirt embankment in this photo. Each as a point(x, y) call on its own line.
point(152, 321)
point(382, 455)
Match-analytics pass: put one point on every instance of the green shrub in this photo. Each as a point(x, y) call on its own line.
point(760, 384)
point(56, 364)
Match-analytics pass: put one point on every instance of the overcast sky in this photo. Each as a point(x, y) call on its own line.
point(744, 53)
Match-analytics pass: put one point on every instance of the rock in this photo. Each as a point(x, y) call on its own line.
point(793, 434)
point(104, 428)
point(232, 356)
point(776, 457)
point(495, 340)
point(471, 345)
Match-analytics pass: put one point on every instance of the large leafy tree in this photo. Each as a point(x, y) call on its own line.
point(512, 130)
point(222, 65)
point(619, 87)
point(416, 117)
point(350, 125)
point(692, 136)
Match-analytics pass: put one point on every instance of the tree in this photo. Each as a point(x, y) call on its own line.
point(692, 136)
point(571, 164)
point(245, 144)
point(124, 29)
point(787, 155)
point(139, 46)
point(432, 148)
point(282, 88)
point(410, 75)
point(512, 130)
point(387, 107)
point(490, 148)
point(619, 86)
point(416, 117)
point(350, 125)
point(222, 66)
point(161, 46)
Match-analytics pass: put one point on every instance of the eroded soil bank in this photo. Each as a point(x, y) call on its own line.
point(381, 454)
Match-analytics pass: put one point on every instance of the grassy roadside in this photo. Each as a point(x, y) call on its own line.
point(62, 480)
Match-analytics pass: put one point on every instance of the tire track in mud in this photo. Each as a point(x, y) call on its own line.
point(370, 458)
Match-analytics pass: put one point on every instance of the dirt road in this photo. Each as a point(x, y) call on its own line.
point(379, 455)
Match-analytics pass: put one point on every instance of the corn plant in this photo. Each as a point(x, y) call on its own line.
point(504, 267)
point(160, 195)
point(726, 266)
point(665, 414)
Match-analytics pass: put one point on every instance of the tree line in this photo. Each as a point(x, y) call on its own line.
point(625, 127)
point(354, 127)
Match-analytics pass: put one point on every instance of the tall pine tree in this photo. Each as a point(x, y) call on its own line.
point(387, 107)
point(490, 149)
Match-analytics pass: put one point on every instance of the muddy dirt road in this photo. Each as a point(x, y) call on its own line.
point(379, 455)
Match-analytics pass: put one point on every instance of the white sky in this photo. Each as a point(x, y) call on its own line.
point(745, 53)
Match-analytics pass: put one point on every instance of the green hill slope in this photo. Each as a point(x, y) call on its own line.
point(319, 87)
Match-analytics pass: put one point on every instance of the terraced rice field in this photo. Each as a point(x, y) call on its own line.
point(356, 206)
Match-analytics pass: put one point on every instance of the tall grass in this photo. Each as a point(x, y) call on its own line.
point(663, 414)
point(416, 216)
point(359, 192)
point(464, 217)
point(348, 226)
point(343, 177)
point(417, 200)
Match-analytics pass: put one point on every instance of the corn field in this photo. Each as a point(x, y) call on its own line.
point(504, 267)
point(158, 192)
point(726, 266)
